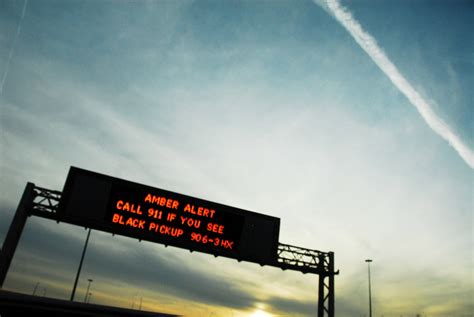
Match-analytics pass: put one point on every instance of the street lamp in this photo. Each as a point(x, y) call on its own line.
point(36, 288)
point(370, 292)
point(88, 286)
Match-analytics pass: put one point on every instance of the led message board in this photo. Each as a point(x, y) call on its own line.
point(122, 207)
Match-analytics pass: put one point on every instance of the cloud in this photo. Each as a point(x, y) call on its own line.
point(242, 141)
point(115, 261)
point(292, 306)
point(370, 46)
point(10, 55)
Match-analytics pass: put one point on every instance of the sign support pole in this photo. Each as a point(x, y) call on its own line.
point(14, 232)
point(46, 203)
point(326, 287)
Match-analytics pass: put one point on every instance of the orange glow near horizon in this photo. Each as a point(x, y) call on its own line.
point(260, 313)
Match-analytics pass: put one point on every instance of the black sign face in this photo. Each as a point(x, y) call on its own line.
point(170, 217)
point(126, 208)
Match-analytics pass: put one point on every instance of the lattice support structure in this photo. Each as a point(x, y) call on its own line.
point(326, 287)
point(44, 203)
point(312, 261)
point(34, 201)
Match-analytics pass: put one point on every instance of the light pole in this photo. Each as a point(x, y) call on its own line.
point(370, 291)
point(88, 286)
point(36, 288)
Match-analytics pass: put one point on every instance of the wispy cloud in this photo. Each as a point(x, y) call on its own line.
point(10, 55)
point(370, 46)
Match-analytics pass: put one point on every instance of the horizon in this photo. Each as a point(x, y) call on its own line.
point(350, 121)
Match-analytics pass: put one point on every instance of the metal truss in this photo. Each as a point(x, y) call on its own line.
point(45, 202)
point(312, 261)
point(300, 259)
point(326, 296)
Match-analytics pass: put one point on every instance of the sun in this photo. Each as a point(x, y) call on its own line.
point(260, 313)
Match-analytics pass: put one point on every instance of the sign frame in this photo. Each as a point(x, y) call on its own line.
point(89, 199)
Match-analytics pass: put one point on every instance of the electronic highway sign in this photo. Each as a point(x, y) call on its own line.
point(148, 213)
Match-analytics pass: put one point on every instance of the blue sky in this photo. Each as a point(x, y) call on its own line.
point(269, 106)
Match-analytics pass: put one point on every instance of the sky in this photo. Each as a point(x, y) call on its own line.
point(351, 121)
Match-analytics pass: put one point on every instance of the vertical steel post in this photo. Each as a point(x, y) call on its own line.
point(321, 296)
point(16, 228)
point(326, 286)
point(321, 288)
point(331, 311)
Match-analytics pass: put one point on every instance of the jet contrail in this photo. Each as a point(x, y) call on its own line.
point(10, 55)
point(370, 46)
